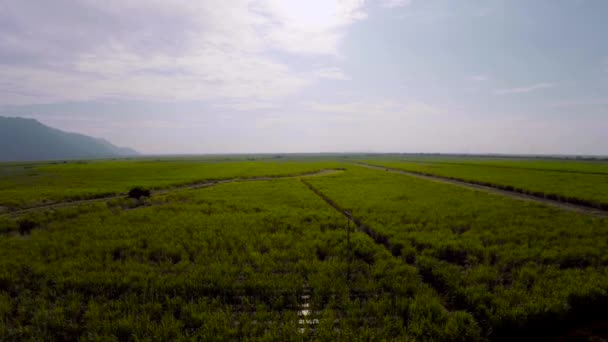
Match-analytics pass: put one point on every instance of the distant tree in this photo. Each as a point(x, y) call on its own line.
point(139, 192)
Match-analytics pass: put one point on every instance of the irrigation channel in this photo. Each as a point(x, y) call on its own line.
point(198, 185)
point(450, 307)
point(582, 209)
point(378, 238)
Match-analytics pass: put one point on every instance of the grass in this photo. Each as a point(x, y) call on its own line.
point(239, 261)
point(518, 267)
point(583, 183)
point(26, 185)
point(563, 165)
point(224, 263)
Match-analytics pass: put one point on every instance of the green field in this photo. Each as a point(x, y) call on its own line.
point(500, 259)
point(272, 259)
point(598, 166)
point(26, 185)
point(569, 181)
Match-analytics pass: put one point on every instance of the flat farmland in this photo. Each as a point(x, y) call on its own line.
point(518, 267)
point(584, 183)
point(32, 184)
point(292, 250)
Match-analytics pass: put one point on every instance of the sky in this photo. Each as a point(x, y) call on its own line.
point(255, 76)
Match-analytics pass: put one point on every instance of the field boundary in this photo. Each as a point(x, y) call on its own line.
point(382, 240)
point(446, 295)
point(502, 167)
point(378, 238)
point(570, 204)
point(193, 186)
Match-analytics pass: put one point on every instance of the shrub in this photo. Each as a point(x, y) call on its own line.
point(139, 192)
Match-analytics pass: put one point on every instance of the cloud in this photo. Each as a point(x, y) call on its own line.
point(525, 89)
point(310, 27)
point(479, 78)
point(581, 102)
point(81, 50)
point(374, 110)
point(395, 3)
point(332, 74)
point(248, 105)
point(361, 115)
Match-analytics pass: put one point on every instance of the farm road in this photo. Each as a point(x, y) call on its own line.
point(561, 205)
point(199, 185)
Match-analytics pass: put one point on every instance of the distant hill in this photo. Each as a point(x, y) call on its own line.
point(27, 139)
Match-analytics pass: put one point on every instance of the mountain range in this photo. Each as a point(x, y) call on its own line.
point(24, 139)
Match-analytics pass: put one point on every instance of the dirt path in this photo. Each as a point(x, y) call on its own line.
point(491, 190)
point(200, 185)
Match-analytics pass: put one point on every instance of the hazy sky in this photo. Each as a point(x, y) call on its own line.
point(217, 76)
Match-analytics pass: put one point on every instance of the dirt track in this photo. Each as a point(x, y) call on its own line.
point(491, 190)
point(205, 184)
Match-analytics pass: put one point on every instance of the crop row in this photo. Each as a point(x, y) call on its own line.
point(589, 190)
point(554, 165)
point(25, 185)
point(223, 263)
point(521, 269)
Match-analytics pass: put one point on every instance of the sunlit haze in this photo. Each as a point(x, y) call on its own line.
point(241, 76)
